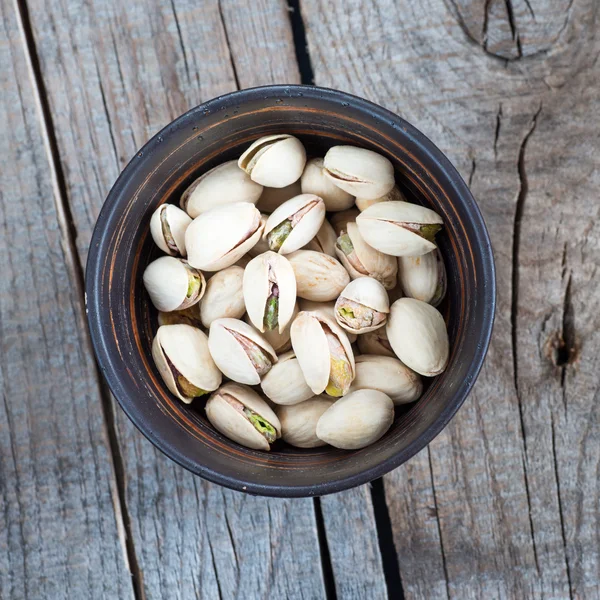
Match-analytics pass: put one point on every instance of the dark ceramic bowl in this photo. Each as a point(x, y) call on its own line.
point(122, 320)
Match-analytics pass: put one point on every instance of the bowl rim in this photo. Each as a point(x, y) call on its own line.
point(109, 365)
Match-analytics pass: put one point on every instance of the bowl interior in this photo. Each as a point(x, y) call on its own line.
point(123, 321)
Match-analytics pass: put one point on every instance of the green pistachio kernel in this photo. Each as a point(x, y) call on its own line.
point(261, 425)
point(279, 234)
point(271, 319)
point(344, 243)
point(340, 377)
point(193, 286)
point(429, 231)
point(346, 313)
point(189, 389)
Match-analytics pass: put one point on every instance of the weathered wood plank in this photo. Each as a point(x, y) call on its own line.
point(511, 507)
point(60, 518)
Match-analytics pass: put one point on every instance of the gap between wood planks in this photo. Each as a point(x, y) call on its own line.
point(68, 237)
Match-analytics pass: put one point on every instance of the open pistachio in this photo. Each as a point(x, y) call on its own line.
point(339, 220)
point(319, 277)
point(362, 306)
point(394, 195)
point(299, 422)
point(240, 414)
point(240, 351)
point(173, 284)
point(270, 291)
point(323, 352)
point(375, 342)
point(418, 336)
point(361, 260)
point(223, 184)
point(294, 223)
point(181, 355)
point(399, 228)
point(271, 198)
point(324, 241)
point(388, 375)
point(187, 316)
point(423, 277)
point(285, 383)
point(315, 181)
point(220, 236)
point(359, 172)
point(224, 296)
point(280, 341)
point(274, 160)
point(167, 226)
point(357, 420)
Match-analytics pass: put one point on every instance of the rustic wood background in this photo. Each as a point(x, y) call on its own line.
point(504, 503)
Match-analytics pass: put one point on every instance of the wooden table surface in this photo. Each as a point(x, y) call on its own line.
point(504, 503)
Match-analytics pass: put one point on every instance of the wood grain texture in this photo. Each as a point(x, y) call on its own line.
point(511, 506)
point(59, 515)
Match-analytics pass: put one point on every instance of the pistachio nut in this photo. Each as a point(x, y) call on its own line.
point(357, 420)
point(262, 245)
point(328, 308)
point(173, 284)
point(240, 351)
point(280, 341)
point(375, 342)
point(220, 236)
point(167, 227)
point(271, 198)
point(285, 383)
point(223, 184)
point(319, 277)
point(359, 172)
point(324, 241)
point(399, 228)
point(339, 220)
point(299, 421)
point(269, 291)
point(240, 414)
point(417, 334)
point(362, 260)
point(388, 375)
point(315, 181)
point(362, 306)
point(187, 316)
point(423, 277)
point(181, 355)
point(274, 160)
point(394, 195)
point(224, 297)
point(323, 352)
point(294, 223)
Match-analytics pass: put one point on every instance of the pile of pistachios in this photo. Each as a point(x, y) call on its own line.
point(299, 295)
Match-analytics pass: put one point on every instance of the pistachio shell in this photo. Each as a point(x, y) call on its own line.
point(357, 420)
point(359, 172)
point(339, 220)
point(299, 422)
point(418, 336)
point(284, 383)
point(261, 275)
point(394, 195)
point(375, 342)
point(223, 184)
point(423, 277)
point(271, 198)
point(221, 236)
point(232, 422)
point(388, 375)
point(224, 296)
point(230, 356)
point(280, 341)
point(167, 227)
point(319, 277)
point(187, 316)
point(314, 181)
point(384, 227)
point(368, 300)
point(167, 280)
point(328, 308)
point(274, 160)
point(186, 349)
point(324, 241)
point(262, 245)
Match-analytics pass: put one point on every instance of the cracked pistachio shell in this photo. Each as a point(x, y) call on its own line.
point(319, 277)
point(167, 227)
point(368, 292)
point(388, 375)
point(312, 349)
point(224, 296)
point(187, 316)
point(229, 355)
point(223, 184)
point(186, 348)
point(324, 241)
point(271, 198)
point(258, 278)
point(359, 172)
point(418, 336)
point(356, 420)
point(328, 308)
point(220, 236)
point(285, 384)
point(167, 280)
point(340, 220)
point(299, 422)
point(274, 160)
point(394, 195)
point(384, 227)
point(376, 264)
point(280, 341)
point(232, 423)
point(315, 181)
point(307, 226)
point(262, 245)
point(375, 342)
point(423, 277)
